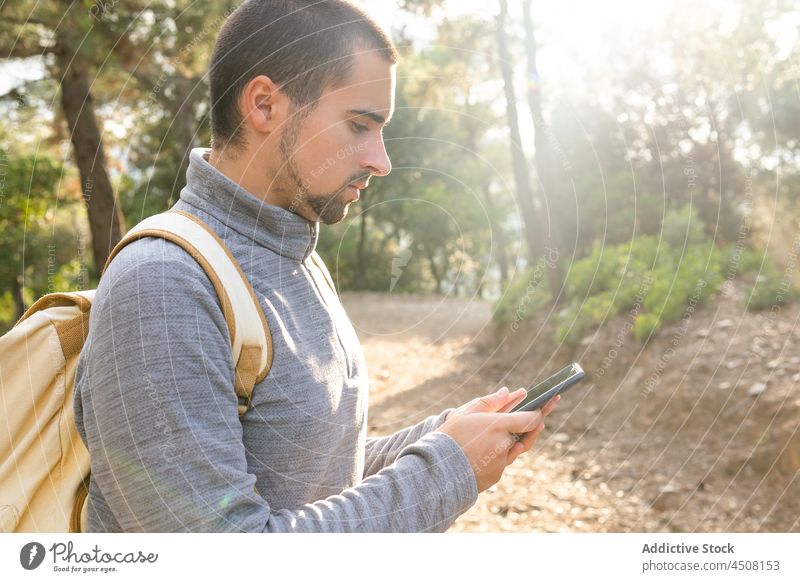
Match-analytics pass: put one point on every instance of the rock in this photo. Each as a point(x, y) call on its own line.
point(724, 324)
point(671, 487)
point(703, 333)
point(560, 437)
point(702, 366)
point(756, 389)
point(668, 498)
point(724, 385)
point(772, 364)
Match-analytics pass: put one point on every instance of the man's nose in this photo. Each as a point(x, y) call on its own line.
point(376, 159)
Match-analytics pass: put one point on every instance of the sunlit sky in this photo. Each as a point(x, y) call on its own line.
point(569, 29)
point(572, 33)
point(574, 37)
point(577, 37)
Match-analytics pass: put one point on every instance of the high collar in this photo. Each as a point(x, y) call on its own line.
point(273, 227)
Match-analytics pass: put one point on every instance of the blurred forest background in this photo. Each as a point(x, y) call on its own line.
point(615, 183)
point(648, 176)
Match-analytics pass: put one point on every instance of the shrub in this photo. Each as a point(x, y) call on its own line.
point(526, 294)
point(656, 279)
point(770, 289)
point(683, 227)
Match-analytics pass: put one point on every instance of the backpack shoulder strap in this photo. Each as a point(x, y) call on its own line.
point(71, 332)
point(320, 264)
point(251, 342)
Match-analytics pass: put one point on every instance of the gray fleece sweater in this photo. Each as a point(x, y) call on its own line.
point(155, 405)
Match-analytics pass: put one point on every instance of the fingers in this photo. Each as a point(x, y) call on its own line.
point(489, 403)
point(529, 439)
point(514, 398)
point(523, 421)
point(525, 444)
point(519, 395)
point(504, 401)
point(551, 404)
point(500, 401)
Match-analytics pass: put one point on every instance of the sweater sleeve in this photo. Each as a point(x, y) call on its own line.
point(156, 408)
point(384, 450)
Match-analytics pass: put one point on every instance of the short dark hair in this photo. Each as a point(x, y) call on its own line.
point(304, 46)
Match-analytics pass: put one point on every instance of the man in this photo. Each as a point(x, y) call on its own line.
point(300, 92)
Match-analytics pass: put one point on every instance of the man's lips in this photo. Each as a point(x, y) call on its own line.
point(353, 193)
point(353, 190)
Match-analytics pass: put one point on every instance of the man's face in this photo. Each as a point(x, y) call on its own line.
point(329, 155)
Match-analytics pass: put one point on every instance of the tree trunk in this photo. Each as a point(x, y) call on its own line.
point(501, 255)
point(434, 269)
point(19, 300)
point(361, 259)
point(544, 157)
point(534, 218)
point(177, 94)
point(106, 222)
point(502, 244)
point(184, 124)
point(184, 127)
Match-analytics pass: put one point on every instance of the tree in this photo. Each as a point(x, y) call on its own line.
point(538, 230)
point(546, 163)
point(164, 47)
point(61, 30)
point(34, 246)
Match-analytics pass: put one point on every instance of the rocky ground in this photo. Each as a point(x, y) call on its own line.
point(695, 432)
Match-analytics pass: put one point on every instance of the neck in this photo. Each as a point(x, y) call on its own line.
point(246, 170)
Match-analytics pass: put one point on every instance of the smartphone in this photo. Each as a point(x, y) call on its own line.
point(556, 384)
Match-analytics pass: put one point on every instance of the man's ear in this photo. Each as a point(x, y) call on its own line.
point(264, 107)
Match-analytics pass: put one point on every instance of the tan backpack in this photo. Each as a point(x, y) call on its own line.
point(44, 475)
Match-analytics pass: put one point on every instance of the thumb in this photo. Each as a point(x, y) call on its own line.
point(492, 402)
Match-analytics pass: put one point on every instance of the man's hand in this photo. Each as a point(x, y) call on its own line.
point(528, 440)
point(486, 432)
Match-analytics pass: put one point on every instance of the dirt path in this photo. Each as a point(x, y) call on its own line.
point(696, 451)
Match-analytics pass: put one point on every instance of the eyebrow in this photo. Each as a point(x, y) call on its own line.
point(371, 114)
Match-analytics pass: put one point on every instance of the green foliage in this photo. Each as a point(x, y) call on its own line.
point(526, 294)
point(681, 282)
point(767, 285)
point(387, 265)
point(654, 280)
point(771, 289)
point(27, 186)
point(646, 325)
point(623, 153)
point(740, 260)
point(615, 268)
point(7, 312)
point(39, 246)
point(751, 260)
point(683, 227)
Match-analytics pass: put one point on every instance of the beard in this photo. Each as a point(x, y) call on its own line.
point(329, 207)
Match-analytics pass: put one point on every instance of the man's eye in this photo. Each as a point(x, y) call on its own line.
point(359, 127)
